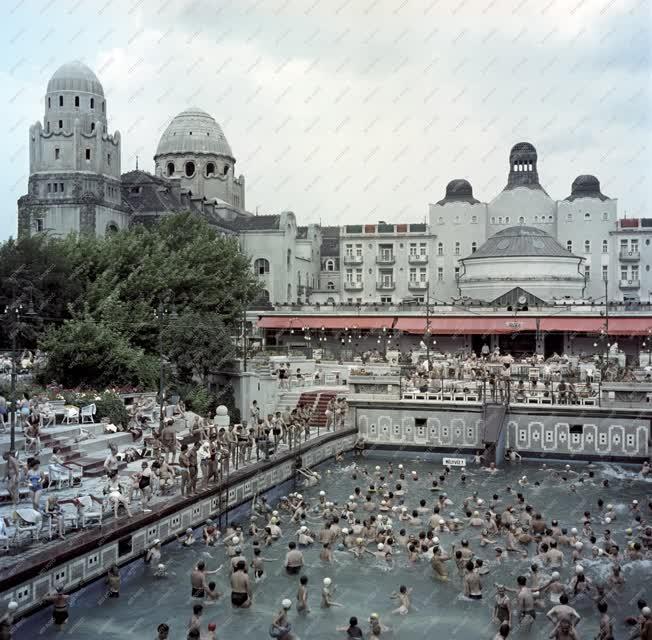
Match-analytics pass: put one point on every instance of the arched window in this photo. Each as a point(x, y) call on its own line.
point(440, 249)
point(289, 292)
point(111, 229)
point(605, 246)
point(225, 171)
point(587, 246)
point(263, 296)
point(289, 258)
point(521, 220)
point(330, 301)
point(330, 265)
point(76, 101)
point(474, 246)
point(536, 219)
point(210, 169)
point(474, 219)
point(170, 168)
point(47, 127)
point(507, 220)
point(493, 219)
point(457, 219)
point(605, 215)
point(92, 103)
point(61, 101)
point(261, 266)
point(299, 278)
point(190, 168)
point(457, 248)
point(49, 103)
point(103, 106)
point(330, 285)
point(569, 245)
point(550, 218)
point(587, 216)
point(440, 220)
point(92, 127)
point(500, 219)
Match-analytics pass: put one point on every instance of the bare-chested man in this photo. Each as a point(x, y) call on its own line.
point(240, 587)
point(12, 475)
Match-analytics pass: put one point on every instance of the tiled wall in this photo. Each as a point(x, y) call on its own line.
point(90, 566)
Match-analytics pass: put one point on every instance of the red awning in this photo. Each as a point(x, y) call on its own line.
point(630, 326)
point(448, 325)
point(616, 326)
point(327, 322)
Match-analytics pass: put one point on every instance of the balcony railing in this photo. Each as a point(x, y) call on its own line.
point(353, 286)
point(352, 259)
point(629, 256)
point(417, 259)
point(415, 285)
point(630, 284)
point(386, 259)
point(386, 286)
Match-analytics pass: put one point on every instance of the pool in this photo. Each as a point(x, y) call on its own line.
point(364, 586)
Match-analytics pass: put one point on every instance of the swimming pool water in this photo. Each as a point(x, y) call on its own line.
point(364, 586)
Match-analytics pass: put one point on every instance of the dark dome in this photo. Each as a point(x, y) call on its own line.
point(586, 186)
point(522, 147)
point(521, 241)
point(459, 190)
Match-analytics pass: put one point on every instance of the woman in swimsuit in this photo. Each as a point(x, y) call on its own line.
point(60, 612)
point(35, 481)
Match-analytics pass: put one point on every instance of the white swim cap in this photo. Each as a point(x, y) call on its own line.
point(579, 545)
point(610, 507)
point(646, 611)
point(287, 603)
point(156, 541)
point(476, 514)
point(579, 569)
point(480, 501)
point(359, 540)
point(322, 493)
point(607, 520)
point(524, 478)
point(567, 466)
point(435, 540)
point(628, 531)
point(634, 501)
point(303, 529)
point(161, 567)
point(12, 606)
point(188, 531)
point(555, 575)
point(381, 546)
point(299, 496)
point(275, 513)
point(451, 514)
point(236, 540)
point(327, 582)
point(414, 473)
point(400, 466)
point(351, 497)
point(345, 531)
point(373, 616)
point(574, 531)
point(442, 521)
point(377, 468)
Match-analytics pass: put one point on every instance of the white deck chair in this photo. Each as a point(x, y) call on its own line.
point(71, 414)
point(4, 535)
point(89, 508)
point(27, 520)
point(88, 412)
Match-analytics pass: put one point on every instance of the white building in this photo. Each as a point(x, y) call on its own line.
point(76, 185)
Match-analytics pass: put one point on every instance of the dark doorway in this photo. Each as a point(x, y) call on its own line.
point(477, 341)
point(553, 343)
point(517, 344)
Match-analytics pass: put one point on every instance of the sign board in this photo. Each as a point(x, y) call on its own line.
point(454, 462)
point(513, 325)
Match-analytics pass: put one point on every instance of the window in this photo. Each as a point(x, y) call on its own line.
point(635, 272)
point(49, 103)
point(536, 219)
point(569, 245)
point(587, 246)
point(569, 217)
point(40, 224)
point(385, 300)
point(386, 252)
point(348, 250)
point(61, 101)
point(55, 187)
point(358, 275)
point(108, 159)
point(210, 169)
point(170, 168)
point(440, 220)
point(330, 285)
point(92, 127)
point(103, 106)
point(440, 274)
point(493, 220)
point(413, 248)
point(47, 126)
point(605, 271)
point(474, 246)
point(225, 171)
point(92, 103)
point(423, 275)
point(457, 219)
point(261, 266)
point(605, 246)
point(457, 248)
point(587, 216)
point(413, 274)
point(49, 187)
point(60, 124)
point(623, 273)
point(349, 275)
point(550, 218)
point(633, 247)
point(190, 169)
point(88, 154)
point(61, 187)
point(423, 249)
point(500, 219)
point(474, 219)
point(507, 219)
point(624, 245)
point(76, 101)
point(587, 272)
point(358, 250)
point(605, 215)
point(457, 272)
point(57, 153)
point(330, 265)
point(440, 249)
point(521, 220)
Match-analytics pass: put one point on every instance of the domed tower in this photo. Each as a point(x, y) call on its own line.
point(459, 190)
point(523, 166)
point(195, 149)
point(74, 183)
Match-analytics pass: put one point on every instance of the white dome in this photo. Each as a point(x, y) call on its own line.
point(75, 76)
point(194, 131)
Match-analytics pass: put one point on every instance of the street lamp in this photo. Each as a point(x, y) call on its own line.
point(164, 310)
point(14, 313)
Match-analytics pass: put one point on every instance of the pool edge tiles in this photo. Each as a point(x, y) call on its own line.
point(81, 560)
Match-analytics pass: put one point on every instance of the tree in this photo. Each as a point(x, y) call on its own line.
point(86, 353)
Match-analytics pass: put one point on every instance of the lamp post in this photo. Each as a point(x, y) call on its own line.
point(14, 312)
point(161, 313)
point(428, 323)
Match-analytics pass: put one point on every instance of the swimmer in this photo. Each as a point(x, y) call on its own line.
point(326, 595)
point(302, 595)
point(161, 571)
point(403, 596)
point(502, 611)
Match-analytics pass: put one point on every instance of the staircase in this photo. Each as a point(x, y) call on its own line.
point(493, 436)
point(318, 418)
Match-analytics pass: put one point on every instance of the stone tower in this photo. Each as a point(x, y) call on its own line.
point(74, 182)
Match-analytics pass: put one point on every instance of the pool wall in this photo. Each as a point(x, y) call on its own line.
point(86, 557)
point(562, 432)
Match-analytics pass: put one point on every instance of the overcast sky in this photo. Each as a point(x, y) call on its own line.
point(350, 111)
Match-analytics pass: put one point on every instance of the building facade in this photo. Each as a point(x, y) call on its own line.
point(520, 243)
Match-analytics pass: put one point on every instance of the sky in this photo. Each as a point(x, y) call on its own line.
point(352, 111)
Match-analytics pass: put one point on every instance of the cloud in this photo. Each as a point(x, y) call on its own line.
point(361, 110)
